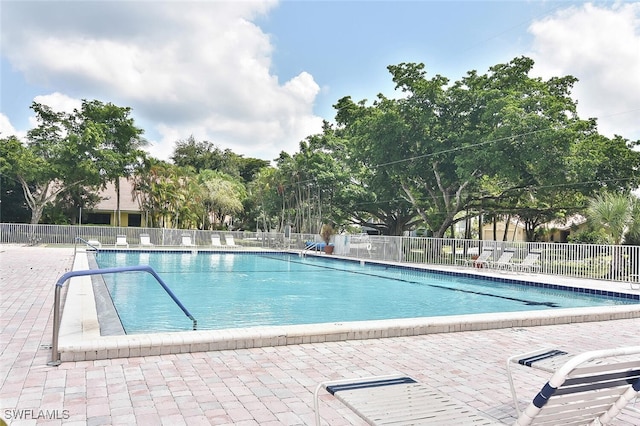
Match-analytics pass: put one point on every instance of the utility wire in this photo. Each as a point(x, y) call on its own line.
point(529, 188)
point(460, 148)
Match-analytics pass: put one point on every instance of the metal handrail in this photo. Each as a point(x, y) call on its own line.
point(84, 241)
point(55, 356)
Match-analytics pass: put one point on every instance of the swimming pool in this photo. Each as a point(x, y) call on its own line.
point(237, 290)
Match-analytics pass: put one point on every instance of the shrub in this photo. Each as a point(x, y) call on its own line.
point(589, 237)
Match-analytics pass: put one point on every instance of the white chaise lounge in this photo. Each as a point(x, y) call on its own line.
point(589, 388)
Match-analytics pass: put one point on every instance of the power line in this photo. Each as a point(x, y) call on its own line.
point(513, 27)
point(620, 113)
point(460, 148)
point(528, 188)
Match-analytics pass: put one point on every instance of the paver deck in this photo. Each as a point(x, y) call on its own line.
point(260, 386)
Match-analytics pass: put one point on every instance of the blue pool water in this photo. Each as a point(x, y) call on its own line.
point(226, 290)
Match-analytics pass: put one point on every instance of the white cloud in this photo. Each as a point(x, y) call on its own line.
point(6, 128)
point(57, 101)
point(185, 68)
point(601, 47)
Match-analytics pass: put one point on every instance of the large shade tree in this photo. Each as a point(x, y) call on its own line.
point(502, 143)
point(13, 207)
point(121, 142)
point(503, 126)
point(54, 158)
point(371, 195)
point(204, 155)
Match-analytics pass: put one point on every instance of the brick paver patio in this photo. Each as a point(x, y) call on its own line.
point(262, 386)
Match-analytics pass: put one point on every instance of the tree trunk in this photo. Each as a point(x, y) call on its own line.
point(398, 228)
point(505, 235)
point(283, 211)
point(36, 201)
point(467, 227)
point(530, 230)
point(117, 186)
point(36, 214)
point(495, 227)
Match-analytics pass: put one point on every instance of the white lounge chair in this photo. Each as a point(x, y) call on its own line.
point(121, 240)
point(635, 283)
point(215, 240)
point(549, 360)
point(399, 400)
point(590, 388)
point(504, 261)
point(229, 241)
point(481, 260)
point(186, 241)
point(145, 240)
point(530, 263)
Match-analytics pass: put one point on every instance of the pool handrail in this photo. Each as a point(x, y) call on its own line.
point(84, 241)
point(55, 356)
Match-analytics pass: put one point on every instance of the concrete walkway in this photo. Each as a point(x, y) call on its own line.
point(262, 386)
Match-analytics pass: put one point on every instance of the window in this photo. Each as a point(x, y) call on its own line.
point(98, 219)
point(135, 219)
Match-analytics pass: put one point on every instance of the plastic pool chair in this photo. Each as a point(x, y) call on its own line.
point(145, 240)
point(481, 260)
point(504, 261)
point(229, 241)
point(400, 400)
point(186, 241)
point(121, 240)
point(215, 240)
point(529, 263)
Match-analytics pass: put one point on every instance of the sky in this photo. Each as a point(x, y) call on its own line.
point(258, 77)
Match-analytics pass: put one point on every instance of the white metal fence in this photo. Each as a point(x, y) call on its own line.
point(617, 263)
point(20, 233)
point(605, 262)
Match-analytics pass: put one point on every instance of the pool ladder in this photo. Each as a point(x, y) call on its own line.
point(55, 355)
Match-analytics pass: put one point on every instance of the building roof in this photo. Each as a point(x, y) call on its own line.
point(567, 223)
point(109, 199)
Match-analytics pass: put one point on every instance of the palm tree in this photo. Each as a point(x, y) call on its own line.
point(618, 214)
